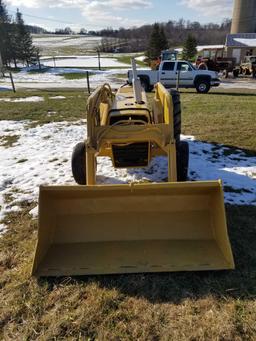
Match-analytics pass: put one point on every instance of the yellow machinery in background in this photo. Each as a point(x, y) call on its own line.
point(106, 229)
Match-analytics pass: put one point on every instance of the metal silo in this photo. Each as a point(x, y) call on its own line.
point(244, 16)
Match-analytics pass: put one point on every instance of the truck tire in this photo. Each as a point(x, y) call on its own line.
point(177, 114)
point(78, 163)
point(182, 155)
point(203, 86)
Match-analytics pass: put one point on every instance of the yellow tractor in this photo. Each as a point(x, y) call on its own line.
point(144, 227)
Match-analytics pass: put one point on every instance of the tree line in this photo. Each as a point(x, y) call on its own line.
point(15, 39)
point(176, 32)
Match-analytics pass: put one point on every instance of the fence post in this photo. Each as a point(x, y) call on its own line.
point(88, 82)
point(99, 59)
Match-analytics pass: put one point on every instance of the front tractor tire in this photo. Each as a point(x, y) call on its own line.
point(78, 163)
point(203, 86)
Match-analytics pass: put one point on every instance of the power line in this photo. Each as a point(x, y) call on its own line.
point(55, 20)
point(43, 18)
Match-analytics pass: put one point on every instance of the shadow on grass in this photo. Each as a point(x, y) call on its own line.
point(175, 287)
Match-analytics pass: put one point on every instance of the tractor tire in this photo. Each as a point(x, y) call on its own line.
point(177, 114)
point(203, 86)
point(182, 154)
point(202, 66)
point(225, 73)
point(245, 72)
point(78, 163)
point(236, 73)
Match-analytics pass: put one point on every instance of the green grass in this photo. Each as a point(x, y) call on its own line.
point(72, 76)
point(68, 109)
point(221, 116)
point(172, 306)
point(127, 60)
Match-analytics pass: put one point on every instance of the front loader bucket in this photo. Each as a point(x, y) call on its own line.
point(132, 228)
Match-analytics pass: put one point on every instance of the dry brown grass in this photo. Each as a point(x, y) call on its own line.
point(171, 306)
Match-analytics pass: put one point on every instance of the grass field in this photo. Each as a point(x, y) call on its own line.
point(127, 60)
point(172, 306)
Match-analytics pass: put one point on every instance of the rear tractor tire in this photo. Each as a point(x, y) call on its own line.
point(182, 155)
point(236, 73)
point(78, 163)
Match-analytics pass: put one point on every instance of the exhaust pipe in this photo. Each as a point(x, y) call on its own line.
point(137, 89)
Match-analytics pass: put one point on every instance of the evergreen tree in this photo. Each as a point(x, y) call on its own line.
point(5, 45)
point(157, 43)
point(23, 41)
point(189, 48)
point(163, 40)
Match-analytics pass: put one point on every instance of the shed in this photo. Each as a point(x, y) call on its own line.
point(240, 45)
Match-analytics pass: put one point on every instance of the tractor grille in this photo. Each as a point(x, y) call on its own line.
point(130, 118)
point(132, 155)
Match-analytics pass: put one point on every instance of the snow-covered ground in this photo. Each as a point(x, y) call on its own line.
point(53, 78)
point(82, 61)
point(42, 155)
point(66, 40)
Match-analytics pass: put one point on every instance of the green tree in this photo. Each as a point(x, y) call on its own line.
point(24, 48)
point(163, 40)
point(157, 42)
point(5, 43)
point(189, 48)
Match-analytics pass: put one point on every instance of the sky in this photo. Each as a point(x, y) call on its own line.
point(98, 14)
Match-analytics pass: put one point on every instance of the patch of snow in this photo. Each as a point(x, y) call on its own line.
point(25, 99)
point(34, 212)
point(3, 229)
point(141, 58)
point(57, 97)
point(47, 151)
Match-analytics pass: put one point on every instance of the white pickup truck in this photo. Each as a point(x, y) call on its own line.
point(169, 71)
